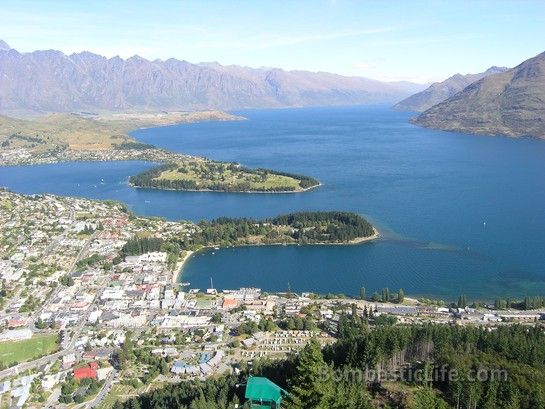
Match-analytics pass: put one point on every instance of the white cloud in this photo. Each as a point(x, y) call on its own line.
point(313, 38)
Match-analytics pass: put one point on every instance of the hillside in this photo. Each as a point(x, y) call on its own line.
point(510, 103)
point(52, 81)
point(79, 132)
point(441, 91)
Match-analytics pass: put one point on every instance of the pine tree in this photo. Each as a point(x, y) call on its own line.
point(309, 387)
point(362, 293)
point(400, 296)
point(385, 294)
point(462, 301)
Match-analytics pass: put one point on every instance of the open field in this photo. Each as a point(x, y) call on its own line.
point(20, 351)
point(229, 176)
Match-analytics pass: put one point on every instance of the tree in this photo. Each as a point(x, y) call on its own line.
point(39, 324)
point(67, 280)
point(400, 296)
point(362, 293)
point(462, 301)
point(385, 295)
point(309, 386)
point(426, 399)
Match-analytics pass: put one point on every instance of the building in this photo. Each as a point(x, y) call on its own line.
point(261, 393)
point(229, 303)
point(16, 335)
point(87, 372)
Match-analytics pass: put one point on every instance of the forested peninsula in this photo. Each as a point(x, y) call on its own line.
point(295, 228)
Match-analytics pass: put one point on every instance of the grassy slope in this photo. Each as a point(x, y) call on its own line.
point(89, 133)
point(61, 129)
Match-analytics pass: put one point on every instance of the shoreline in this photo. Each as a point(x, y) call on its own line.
point(303, 190)
point(179, 266)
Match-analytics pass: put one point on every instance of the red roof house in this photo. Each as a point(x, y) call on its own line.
point(229, 303)
point(85, 372)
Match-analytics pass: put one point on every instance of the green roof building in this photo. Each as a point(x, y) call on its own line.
point(263, 394)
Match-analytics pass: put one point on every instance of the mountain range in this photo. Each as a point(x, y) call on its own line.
point(441, 91)
point(510, 103)
point(53, 81)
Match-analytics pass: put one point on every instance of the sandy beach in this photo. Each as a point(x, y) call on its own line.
point(359, 240)
point(179, 266)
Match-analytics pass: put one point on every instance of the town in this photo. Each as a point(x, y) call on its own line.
point(92, 309)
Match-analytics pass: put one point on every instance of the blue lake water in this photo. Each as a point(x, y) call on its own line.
point(458, 213)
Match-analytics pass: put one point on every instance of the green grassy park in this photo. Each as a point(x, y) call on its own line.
point(13, 352)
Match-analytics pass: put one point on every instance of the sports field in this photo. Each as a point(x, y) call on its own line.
point(12, 352)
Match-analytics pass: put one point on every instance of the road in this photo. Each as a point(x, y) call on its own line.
point(53, 398)
point(104, 391)
point(17, 369)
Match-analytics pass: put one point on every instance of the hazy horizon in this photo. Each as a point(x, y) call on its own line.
point(424, 41)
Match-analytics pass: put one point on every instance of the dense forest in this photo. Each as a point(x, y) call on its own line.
point(141, 245)
point(434, 367)
point(303, 228)
point(217, 176)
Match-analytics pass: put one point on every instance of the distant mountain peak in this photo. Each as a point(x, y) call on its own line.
point(4, 46)
point(441, 91)
point(495, 70)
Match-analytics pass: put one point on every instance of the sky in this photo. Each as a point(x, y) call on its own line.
point(419, 41)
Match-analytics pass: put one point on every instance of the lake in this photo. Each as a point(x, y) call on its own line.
point(458, 213)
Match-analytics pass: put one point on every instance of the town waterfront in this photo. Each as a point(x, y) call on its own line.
point(457, 213)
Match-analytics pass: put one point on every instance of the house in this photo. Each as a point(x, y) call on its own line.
point(16, 323)
point(229, 303)
point(87, 372)
point(68, 360)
